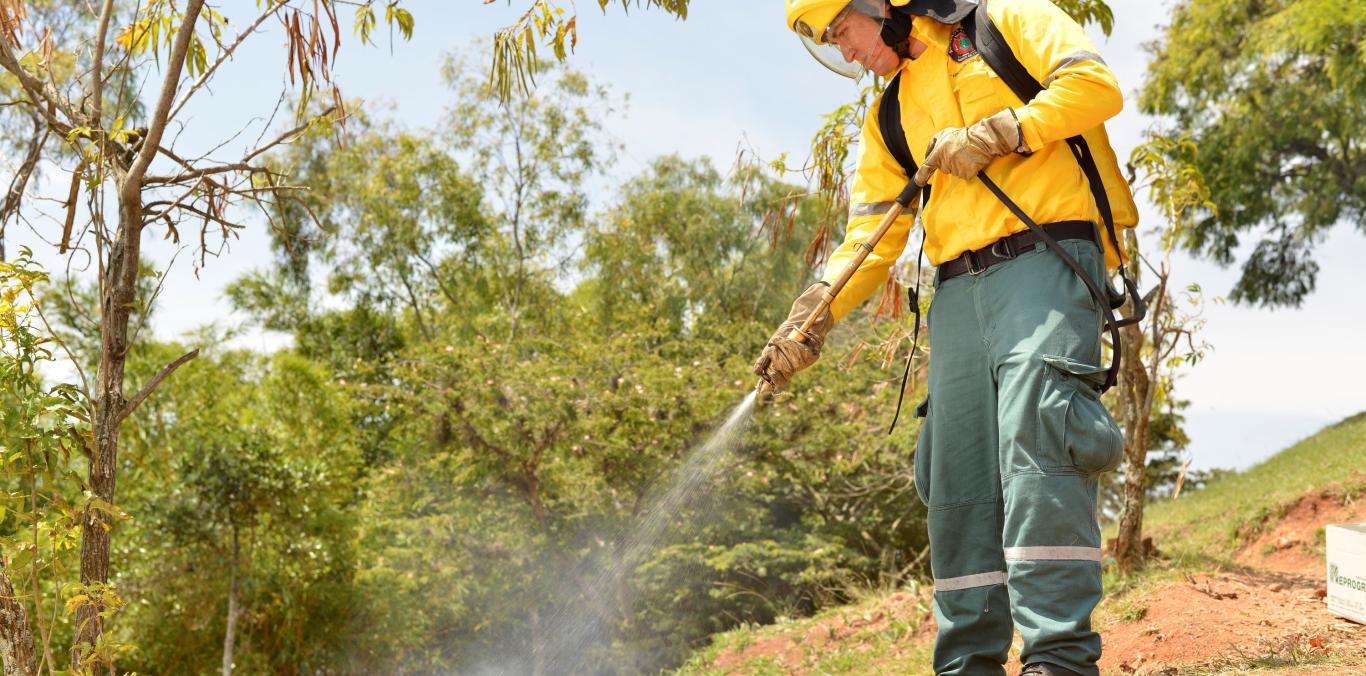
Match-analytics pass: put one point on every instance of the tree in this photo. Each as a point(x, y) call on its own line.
point(247, 510)
point(1271, 94)
point(1152, 351)
point(89, 120)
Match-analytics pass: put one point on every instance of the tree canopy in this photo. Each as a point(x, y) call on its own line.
point(1273, 94)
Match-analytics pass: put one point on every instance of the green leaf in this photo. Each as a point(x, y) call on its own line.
point(405, 22)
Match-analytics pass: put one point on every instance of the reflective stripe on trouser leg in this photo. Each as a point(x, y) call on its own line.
point(1045, 345)
point(958, 476)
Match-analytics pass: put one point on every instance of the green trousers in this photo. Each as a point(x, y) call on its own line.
point(1007, 462)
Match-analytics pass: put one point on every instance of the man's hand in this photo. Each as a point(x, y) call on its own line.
point(782, 357)
point(964, 152)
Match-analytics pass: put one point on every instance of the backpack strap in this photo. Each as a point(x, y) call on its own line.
point(992, 45)
point(894, 137)
point(889, 123)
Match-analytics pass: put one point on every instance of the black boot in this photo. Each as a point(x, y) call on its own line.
point(1046, 669)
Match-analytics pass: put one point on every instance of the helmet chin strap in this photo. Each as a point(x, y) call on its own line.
point(896, 31)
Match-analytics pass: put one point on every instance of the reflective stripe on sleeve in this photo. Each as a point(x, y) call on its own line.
point(1072, 59)
point(970, 581)
point(869, 209)
point(1053, 554)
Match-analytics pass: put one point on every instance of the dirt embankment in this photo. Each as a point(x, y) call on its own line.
point(1264, 612)
point(1269, 612)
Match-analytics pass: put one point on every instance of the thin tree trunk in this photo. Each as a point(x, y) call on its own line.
point(537, 644)
point(1129, 551)
point(16, 633)
point(230, 634)
point(118, 283)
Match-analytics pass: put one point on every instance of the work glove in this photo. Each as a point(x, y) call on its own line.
point(783, 357)
point(964, 152)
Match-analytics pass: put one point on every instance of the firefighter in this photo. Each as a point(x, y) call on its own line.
point(1014, 436)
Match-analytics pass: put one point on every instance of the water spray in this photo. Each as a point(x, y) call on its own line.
point(575, 628)
point(907, 199)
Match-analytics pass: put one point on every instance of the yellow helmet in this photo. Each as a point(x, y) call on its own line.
point(811, 20)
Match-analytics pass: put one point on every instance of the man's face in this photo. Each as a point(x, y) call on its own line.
point(859, 38)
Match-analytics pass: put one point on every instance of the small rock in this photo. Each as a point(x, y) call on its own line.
point(1276, 586)
point(1321, 592)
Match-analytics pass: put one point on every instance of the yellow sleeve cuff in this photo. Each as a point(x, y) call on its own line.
point(1030, 128)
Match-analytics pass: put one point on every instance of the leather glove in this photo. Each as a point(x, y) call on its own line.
point(964, 152)
point(782, 357)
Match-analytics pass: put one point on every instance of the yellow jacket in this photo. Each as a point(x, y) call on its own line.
point(937, 92)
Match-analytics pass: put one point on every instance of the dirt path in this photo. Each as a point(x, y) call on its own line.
point(1270, 612)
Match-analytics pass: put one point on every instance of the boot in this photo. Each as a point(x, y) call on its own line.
point(1046, 669)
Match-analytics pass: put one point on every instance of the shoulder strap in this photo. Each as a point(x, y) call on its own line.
point(987, 38)
point(894, 135)
point(889, 123)
point(992, 45)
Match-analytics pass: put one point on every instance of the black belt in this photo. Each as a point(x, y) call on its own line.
point(1006, 248)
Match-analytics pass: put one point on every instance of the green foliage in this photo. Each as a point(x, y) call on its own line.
point(514, 62)
point(257, 450)
point(44, 435)
point(1270, 92)
point(513, 430)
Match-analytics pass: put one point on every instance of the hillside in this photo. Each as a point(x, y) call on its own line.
point(1237, 587)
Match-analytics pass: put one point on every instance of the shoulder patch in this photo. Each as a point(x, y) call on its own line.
point(960, 46)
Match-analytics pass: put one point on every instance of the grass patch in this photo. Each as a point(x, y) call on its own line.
point(1294, 654)
point(1214, 521)
point(832, 642)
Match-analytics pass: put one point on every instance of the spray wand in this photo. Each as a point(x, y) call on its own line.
point(907, 198)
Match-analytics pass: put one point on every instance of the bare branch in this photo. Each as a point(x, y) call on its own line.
point(97, 65)
point(147, 389)
point(225, 56)
point(156, 127)
point(287, 136)
point(147, 310)
point(20, 181)
point(200, 173)
point(71, 196)
point(85, 382)
point(45, 97)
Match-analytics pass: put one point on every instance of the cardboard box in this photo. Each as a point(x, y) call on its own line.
point(1347, 571)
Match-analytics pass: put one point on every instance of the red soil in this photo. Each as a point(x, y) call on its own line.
point(1272, 610)
point(1207, 620)
point(1274, 607)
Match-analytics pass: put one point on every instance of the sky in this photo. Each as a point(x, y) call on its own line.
point(732, 76)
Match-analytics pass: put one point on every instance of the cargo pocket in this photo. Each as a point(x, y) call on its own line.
point(1081, 424)
point(921, 461)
